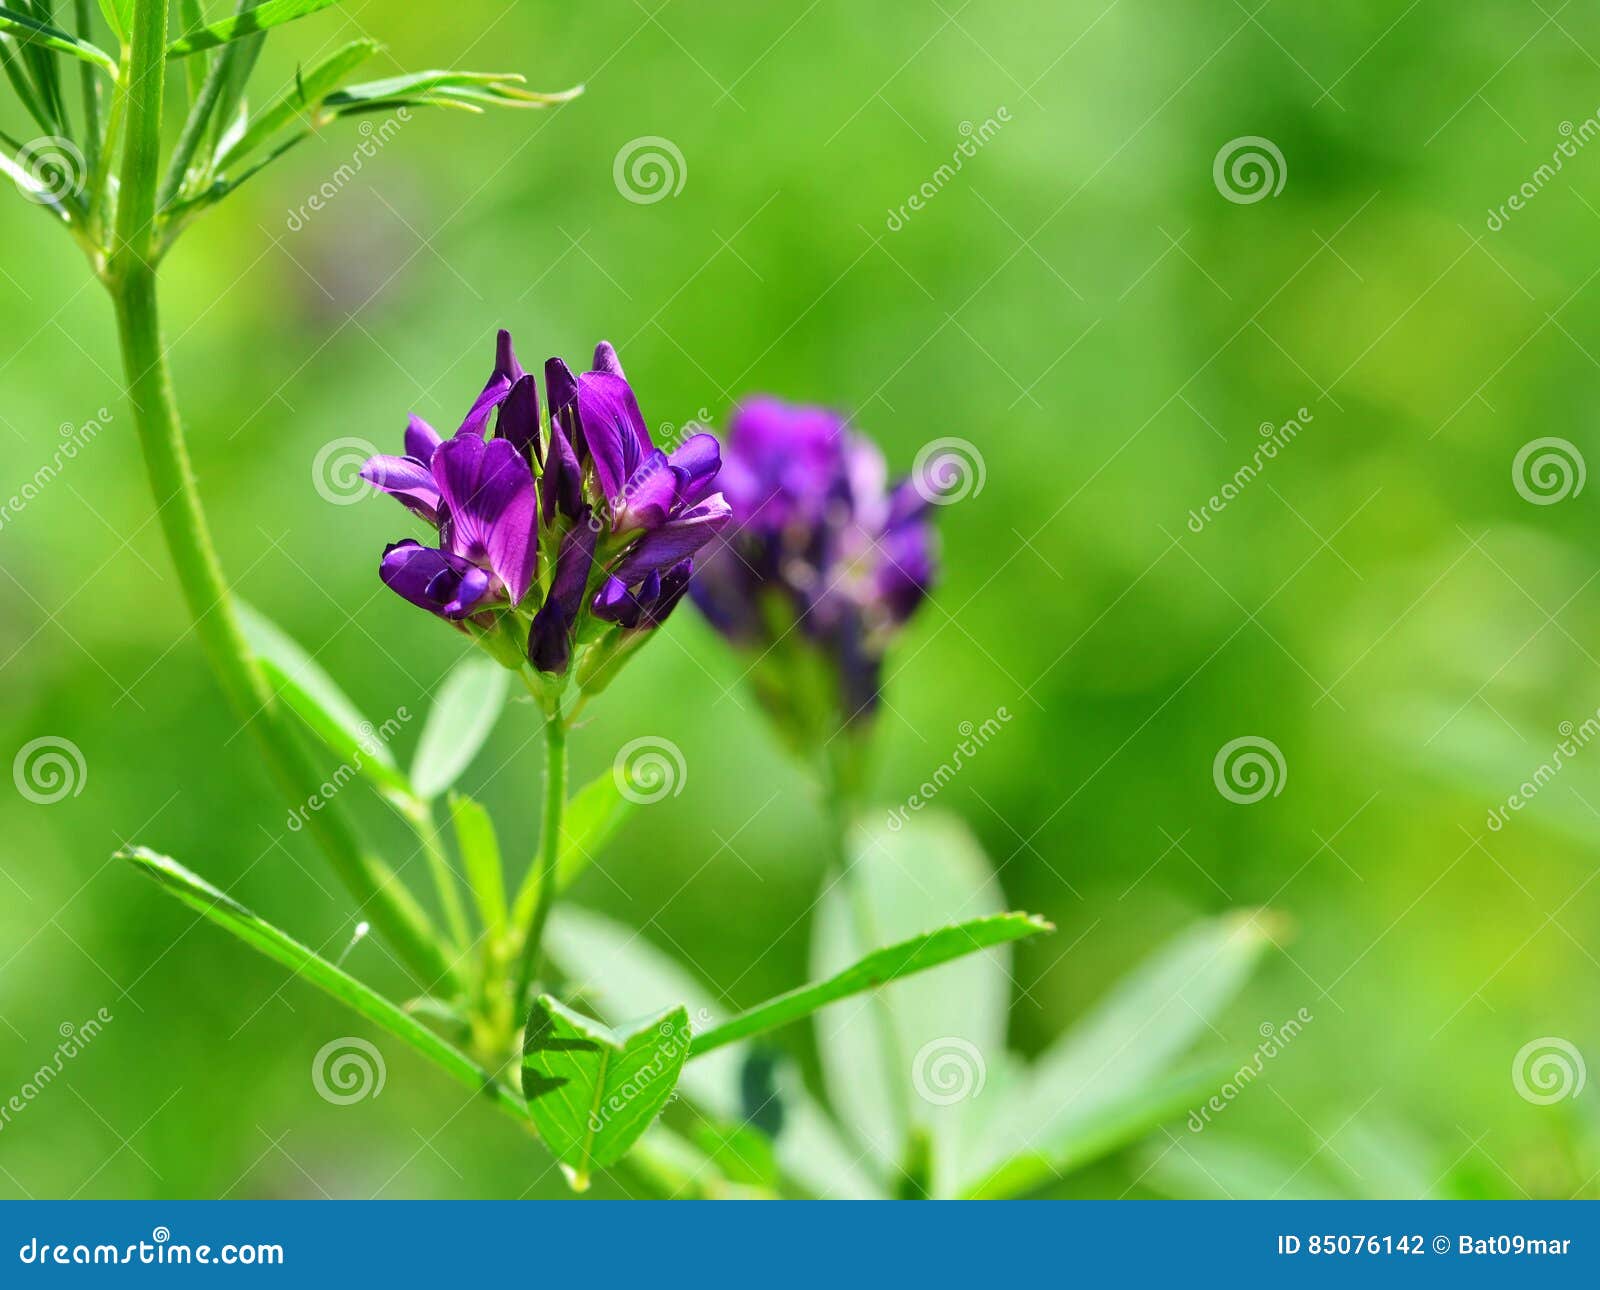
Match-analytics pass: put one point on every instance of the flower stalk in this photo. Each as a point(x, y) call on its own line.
point(545, 873)
point(131, 279)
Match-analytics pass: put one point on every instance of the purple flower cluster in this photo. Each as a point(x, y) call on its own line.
point(572, 529)
point(821, 542)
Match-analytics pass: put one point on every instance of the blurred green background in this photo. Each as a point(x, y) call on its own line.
point(1082, 304)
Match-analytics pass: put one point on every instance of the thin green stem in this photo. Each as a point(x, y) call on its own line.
point(131, 279)
point(555, 801)
point(90, 77)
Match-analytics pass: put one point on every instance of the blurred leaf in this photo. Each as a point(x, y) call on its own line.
point(227, 913)
point(16, 73)
point(1111, 1063)
point(300, 102)
point(32, 34)
point(1125, 1116)
point(321, 704)
point(263, 17)
point(907, 958)
point(742, 1154)
point(1210, 1167)
point(930, 872)
point(480, 854)
point(194, 70)
point(463, 713)
point(119, 16)
point(592, 817)
point(592, 1090)
point(625, 974)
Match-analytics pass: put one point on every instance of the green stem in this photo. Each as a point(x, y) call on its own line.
point(90, 77)
point(131, 279)
point(555, 801)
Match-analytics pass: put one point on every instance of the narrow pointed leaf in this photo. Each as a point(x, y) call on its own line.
point(306, 963)
point(194, 71)
point(480, 855)
point(30, 33)
point(464, 712)
point(591, 1090)
point(1129, 1041)
point(301, 101)
point(1124, 1118)
point(274, 13)
point(119, 16)
point(592, 817)
point(322, 705)
point(878, 968)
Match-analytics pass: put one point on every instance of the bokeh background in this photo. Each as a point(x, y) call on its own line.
point(1083, 304)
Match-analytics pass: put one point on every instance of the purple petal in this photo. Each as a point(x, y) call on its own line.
point(606, 360)
point(907, 568)
point(507, 371)
point(407, 480)
point(675, 540)
point(549, 639)
point(507, 516)
point(613, 428)
point(549, 644)
point(519, 418)
point(648, 495)
point(561, 389)
point(437, 581)
point(561, 484)
point(616, 604)
point(421, 438)
point(696, 462)
point(673, 584)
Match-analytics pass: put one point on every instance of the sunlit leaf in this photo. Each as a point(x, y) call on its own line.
point(227, 913)
point(906, 958)
point(321, 704)
point(274, 13)
point(31, 33)
point(463, 713)
point(592, 1090)
point(300, 102)
point(480, 855)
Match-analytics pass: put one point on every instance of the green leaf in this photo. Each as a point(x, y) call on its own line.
point(447, 89)
point(31, 33)
point(1120, 1052)
point(592, 1090)
point(322, 705)
point(194, 71)
point(592, 817)
point(227, 913)
point(908, 957)
point(463, 714)
point(274, 13)
point(1124, 1117)
point(480, 854)
point(930, 872)
point(301, 102)
point(625, 974)
point(119, 17)
point(16, 72)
